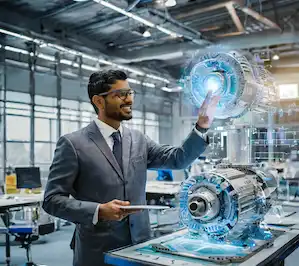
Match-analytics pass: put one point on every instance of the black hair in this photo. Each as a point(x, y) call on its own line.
point(101, 81)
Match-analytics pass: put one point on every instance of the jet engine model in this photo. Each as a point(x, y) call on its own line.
point(242, 84)
point(226, 204)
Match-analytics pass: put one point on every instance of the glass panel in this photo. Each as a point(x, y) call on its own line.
point(50, 101)
point(68, 127)
point(18, 154)
point(151, 116)
point(87, 107)
point(17, 96)
point(42, 129)
point(43, 153)
point(152, 132)
point(18, 128)
point(70, 104)
point(288, 91)
point(137, 114)
point(54, 136)
point(151, 123)
point(19, 109)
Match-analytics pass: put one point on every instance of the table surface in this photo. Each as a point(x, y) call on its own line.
point(16, 200)
point(281, 244)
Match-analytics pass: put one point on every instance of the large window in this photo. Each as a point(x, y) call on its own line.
point(288, 91)
point(74, 115)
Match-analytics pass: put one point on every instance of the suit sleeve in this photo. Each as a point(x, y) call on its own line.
point(170, 157)
point(60, 185)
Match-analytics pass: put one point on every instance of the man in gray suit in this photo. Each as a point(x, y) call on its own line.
point(103, 167)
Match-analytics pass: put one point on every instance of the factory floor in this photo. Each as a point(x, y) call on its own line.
point(56, 251)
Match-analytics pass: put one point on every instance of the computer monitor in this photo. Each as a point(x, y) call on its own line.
point(28, 177)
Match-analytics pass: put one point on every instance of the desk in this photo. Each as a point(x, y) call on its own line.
point(17, 201)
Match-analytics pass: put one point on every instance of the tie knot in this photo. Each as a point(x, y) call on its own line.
point(116, 136)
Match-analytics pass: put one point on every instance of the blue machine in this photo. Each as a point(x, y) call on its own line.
point(164, 175)
point(222, 210)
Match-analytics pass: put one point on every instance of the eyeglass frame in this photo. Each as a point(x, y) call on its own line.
point(109, 92)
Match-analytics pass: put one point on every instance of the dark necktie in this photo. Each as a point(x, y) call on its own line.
point(117, 148)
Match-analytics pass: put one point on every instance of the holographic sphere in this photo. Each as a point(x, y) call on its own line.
point(241, 83)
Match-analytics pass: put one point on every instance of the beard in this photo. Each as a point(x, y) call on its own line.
point(116, 113)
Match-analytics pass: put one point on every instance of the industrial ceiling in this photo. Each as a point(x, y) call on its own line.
point(151, 39)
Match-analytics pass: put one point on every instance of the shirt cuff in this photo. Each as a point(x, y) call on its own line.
point(203, 136)
point(96, 215)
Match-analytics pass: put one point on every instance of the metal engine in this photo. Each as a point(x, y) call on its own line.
point(226, 203)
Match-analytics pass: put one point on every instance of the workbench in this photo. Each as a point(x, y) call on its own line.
point(283, 246)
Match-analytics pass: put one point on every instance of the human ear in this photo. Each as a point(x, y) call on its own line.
point(98, 102)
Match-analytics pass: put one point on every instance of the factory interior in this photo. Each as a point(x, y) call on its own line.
point(222, 194)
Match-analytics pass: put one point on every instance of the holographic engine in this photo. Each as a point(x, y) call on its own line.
point(242, 83)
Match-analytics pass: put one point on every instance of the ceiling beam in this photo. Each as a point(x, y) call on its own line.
point(70, 5)
point(164, 52)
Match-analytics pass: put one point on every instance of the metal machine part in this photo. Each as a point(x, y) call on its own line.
point(225, 203)
point(242, 84)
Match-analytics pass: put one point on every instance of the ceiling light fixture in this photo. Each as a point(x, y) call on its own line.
point(275, 57)
point(60, 48)
point(147, 34)
point(170, 3)
point(137, 18)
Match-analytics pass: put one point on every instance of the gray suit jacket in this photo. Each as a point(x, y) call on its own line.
point(85, 168)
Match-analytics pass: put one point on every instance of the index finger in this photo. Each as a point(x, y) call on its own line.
point(207, 99)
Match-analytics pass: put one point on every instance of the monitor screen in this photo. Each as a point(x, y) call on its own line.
point(28, 177)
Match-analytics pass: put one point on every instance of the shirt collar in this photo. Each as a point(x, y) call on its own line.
point(105, 129)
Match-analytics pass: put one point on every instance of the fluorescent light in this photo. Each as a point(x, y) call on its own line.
point(43, 43)
point(151, 85)
point(90, 68)
point(46, 57)
point(157, 78)
point(15, 50)
point(169, 32)
point(138, 18)
point(175, 89)
point(21, 36)
point(147, 34)
point(134, 81)
point(170, 3)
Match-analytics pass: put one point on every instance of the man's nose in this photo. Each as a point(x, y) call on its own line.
point(129, 99)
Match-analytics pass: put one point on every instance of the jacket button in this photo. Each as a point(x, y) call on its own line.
point(132, 225)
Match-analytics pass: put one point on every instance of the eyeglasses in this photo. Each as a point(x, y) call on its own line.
point(121, 93)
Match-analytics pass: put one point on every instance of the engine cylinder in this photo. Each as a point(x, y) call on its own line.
point(223, 202)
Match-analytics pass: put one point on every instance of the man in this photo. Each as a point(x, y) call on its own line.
point(103, 167)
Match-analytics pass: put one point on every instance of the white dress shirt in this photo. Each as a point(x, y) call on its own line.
point(106, 131)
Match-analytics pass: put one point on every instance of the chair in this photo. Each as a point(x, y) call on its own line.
point(26, 234)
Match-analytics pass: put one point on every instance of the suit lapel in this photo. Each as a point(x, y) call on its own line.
point(96, 136)
point(126, 150)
